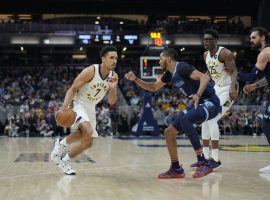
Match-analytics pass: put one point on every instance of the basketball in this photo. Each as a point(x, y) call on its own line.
point(65, 117)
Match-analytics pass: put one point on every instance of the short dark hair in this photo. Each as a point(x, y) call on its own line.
point(212, 32)
point(106, 49)
point(262, 32)
point(170, 52)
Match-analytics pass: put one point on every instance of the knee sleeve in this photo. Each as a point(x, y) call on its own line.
point(205, 131)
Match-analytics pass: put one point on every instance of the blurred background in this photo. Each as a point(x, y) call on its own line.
point(44, 44)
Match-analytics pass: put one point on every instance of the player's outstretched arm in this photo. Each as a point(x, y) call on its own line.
point(262, 60)
point(151, 86)
point(251, 87)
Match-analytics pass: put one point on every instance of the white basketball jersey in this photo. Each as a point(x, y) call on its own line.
point(94, 91)
point(217, 70)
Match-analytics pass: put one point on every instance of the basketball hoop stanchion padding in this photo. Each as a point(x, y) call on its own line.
point(147, 125)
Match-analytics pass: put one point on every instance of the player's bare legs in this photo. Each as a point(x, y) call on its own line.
point(170, 136)
point(86, 141)
point(85, 137)
point(175, 171)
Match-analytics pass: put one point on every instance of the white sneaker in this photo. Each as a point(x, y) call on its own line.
point(66, 168)
point(265, 170)
point(57, 152)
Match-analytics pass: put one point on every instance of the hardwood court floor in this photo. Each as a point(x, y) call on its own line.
point(127, 169)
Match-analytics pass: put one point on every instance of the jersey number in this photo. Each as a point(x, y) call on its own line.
point(212, 70)
point(98, 90)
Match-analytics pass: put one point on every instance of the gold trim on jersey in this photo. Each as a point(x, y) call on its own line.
point(71, 105)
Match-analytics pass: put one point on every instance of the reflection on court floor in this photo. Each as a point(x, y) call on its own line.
point(127, 168)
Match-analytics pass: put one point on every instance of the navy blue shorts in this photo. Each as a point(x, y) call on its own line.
point(206, 111)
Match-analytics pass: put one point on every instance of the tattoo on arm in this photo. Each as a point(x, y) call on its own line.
point(261, 83)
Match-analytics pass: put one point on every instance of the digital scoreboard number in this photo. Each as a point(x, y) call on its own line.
point(149, 67)
point(157, 38)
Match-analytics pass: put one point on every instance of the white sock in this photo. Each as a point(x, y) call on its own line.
point(206, 152)
point(215, 154)
point(64, 142)
point(66, 158)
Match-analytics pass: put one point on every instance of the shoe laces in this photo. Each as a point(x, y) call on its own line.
point(204, 167)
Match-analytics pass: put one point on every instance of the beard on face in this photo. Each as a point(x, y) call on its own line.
point(256, 46)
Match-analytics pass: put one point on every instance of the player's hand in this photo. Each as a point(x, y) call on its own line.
point(113, 81)
point(194, 98)
point(249, 88)
point(130, 76)
point(233, 93)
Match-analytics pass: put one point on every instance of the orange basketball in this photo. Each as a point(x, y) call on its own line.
point(65, 117)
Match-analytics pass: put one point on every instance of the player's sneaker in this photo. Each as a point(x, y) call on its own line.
point(214, 164)
point(67, 169)
point(197, 164)
point(265, 170)
point(172, 173)
point(57, 152)
point(203, 170)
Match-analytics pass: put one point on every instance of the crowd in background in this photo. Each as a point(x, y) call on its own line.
point(175, 25)
point(31, 95)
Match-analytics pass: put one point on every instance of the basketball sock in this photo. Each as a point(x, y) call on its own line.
point(66, 158)
point(206, 152)
point(64, 142)
point(215, 154)
point(200, 155)
point(175, 165)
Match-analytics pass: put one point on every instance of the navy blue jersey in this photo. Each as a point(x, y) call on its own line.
point(181, 80)
point(266, 71)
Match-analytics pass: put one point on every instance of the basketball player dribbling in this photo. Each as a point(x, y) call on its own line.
point(88, 89)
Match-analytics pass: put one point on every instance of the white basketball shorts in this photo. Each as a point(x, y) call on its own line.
point(85, 114)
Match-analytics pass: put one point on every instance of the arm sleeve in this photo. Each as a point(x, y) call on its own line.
point(166, 77)
point(185, 70)
point(250, 77)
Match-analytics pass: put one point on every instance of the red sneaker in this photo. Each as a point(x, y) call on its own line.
point(197, 164)
point(203, 171)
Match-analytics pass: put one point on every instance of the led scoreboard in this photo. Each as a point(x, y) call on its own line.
point(156, 38)
point(99, 39)
point(149, 67)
